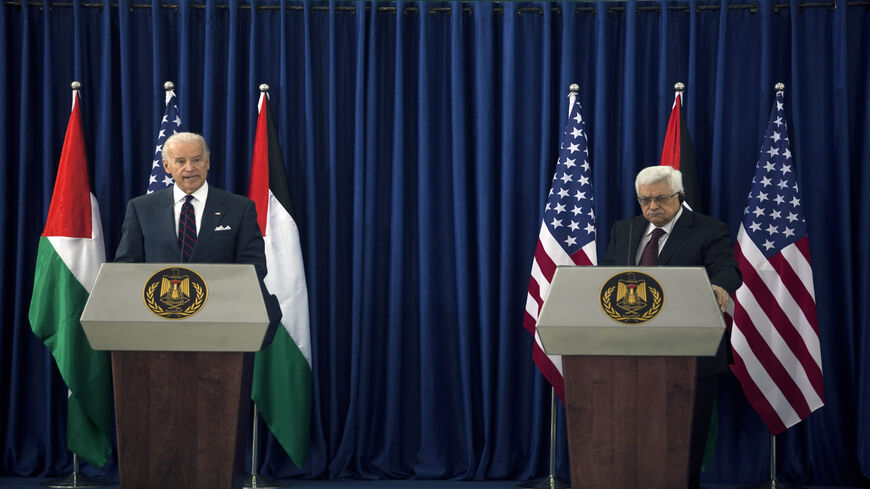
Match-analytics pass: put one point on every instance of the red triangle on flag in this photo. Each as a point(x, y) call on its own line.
point(70, 211)
point(258, 187)
point(671, 145)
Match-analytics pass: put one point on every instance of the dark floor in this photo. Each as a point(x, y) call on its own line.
point(38, 483)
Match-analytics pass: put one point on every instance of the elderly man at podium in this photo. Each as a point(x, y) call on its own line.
point(192, 221)
point(670, 234)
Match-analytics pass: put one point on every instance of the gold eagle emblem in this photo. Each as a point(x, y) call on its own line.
point(168, 293)
point(631, 297)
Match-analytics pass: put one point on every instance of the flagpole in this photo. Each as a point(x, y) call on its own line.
point(550, 481)
point(773, 483)
point(75, 479)
point(254, 480)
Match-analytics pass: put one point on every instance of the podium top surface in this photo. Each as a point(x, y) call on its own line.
point(641, 311)
point(175, 307)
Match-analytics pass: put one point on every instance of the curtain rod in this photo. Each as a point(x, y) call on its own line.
point(751, 7)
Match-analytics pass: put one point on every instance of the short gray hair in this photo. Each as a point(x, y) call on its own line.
point(185, 137)
point(659, 173)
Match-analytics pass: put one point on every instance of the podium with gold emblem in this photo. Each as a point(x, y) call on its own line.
point(182, 338)
point(629, 337)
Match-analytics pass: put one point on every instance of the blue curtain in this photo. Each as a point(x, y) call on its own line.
point(420, 141)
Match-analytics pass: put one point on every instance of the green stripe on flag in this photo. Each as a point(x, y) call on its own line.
point(55, 309)
point(284, 395)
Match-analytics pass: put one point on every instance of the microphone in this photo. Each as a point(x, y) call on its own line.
point(628, 248)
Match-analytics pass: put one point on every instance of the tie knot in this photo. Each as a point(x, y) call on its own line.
point(188, 198)
point(649, 256)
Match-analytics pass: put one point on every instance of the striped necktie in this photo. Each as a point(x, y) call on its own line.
point(650, 255)
point(187, 228)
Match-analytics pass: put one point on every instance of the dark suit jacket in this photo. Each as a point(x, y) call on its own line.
point(228, 233)
point(695, 240)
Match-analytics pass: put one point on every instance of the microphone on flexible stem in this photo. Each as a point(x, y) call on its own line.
point(628, 253)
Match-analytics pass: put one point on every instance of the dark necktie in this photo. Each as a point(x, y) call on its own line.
point(650, 254)
point(187, 228)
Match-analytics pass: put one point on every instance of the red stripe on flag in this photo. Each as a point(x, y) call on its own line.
point(258, 187)
point(529, 322)
point(535, 294)
point(803, 245)
point(70, 211)
point(795, 287)
point(756, 398)
point(581, 258)
point(549, 370)
point(545, 263)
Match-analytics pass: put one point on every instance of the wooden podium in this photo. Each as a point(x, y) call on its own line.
point(629, 372)
point(181, 367)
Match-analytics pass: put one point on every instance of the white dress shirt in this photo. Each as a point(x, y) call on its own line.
point(667, 228)
point(198, 202)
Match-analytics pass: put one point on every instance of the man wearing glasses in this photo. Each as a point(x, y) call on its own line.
point(669, 234)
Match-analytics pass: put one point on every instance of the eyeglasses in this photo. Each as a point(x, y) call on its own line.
point(660, 199)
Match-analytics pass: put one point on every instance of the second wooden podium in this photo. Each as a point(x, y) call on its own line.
point(182, 338)
point(628, 339)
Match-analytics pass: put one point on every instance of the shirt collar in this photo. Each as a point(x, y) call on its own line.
point(201, 193)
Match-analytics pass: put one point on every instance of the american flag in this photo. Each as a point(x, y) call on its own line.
point(567, 235)
point(168, 126)
point(775, 335)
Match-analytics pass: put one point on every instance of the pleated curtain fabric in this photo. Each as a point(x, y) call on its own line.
point(420, 141)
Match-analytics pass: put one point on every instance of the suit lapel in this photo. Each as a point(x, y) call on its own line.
point(215, 207)
point(165, 214)
point(681, 231)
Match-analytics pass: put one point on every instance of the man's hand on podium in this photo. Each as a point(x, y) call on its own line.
point(722, 297)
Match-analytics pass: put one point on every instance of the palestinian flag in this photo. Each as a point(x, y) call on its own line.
point(678, 152)
point(71, 251)
point(282, 371)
